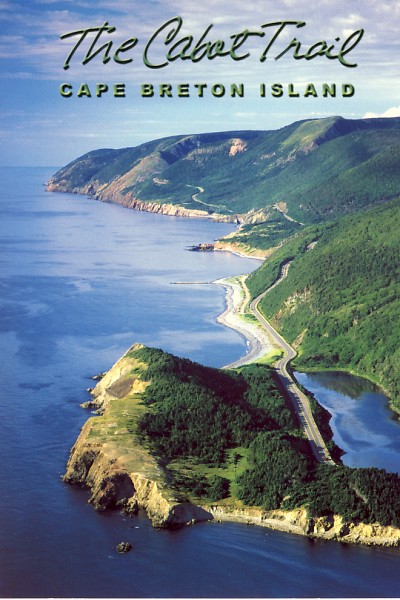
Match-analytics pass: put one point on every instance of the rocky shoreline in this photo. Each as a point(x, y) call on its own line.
point(332, 527)
point(109, 459)
point(112, 193)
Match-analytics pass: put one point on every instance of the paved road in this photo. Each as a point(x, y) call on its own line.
point(298, 398)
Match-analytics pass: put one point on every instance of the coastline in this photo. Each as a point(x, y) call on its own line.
point(297, 522)
point(332, 528)
point(110, 459)
point(131, 202)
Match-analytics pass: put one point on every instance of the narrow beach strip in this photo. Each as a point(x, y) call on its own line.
point(237, 317)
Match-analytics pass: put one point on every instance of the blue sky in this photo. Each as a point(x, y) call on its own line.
point(40, 127)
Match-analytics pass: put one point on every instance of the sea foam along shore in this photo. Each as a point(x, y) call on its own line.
point(237, 317)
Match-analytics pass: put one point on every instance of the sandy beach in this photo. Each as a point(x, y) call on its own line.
point(236, 316)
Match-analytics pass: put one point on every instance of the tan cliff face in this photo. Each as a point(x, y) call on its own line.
point(241, 249)
point(95, 465)
point(297, 521)
point(109, 458)
point(237, 146)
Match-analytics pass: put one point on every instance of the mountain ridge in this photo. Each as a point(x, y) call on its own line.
point(319, 168)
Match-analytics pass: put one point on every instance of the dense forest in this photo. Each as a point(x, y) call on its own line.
point(201, 412)
point(340, 303)
point(282, 476)
point(213, 420)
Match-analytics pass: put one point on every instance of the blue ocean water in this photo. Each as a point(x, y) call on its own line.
point(80, 281)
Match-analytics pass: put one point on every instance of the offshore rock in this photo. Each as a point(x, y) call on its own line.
point(123, 547)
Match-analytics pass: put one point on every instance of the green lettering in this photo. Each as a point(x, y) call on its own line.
point(329, 90)
point(165, 90)
point(348, 46)
point(147, 90)
point(124, 47)
point(310, 91)
point(277, 90)
point(84, 91)
point(66, 90)
point(119, 90)
point(218, 90)
point(183, 90)
point(101, 88)
point(348, 90)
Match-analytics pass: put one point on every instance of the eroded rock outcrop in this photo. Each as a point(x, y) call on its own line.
point(332, 527)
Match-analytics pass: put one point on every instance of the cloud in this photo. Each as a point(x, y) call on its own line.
point(394, 111)
point(43, 21)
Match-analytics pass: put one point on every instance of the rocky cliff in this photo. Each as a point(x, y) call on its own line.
point(114, 195)
point(297, 521)
point(109, 458)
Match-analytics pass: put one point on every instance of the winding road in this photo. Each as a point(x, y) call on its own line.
point(299, 400)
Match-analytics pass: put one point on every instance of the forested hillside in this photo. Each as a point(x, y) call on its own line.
point(322, 193)
point(220, 433)
point(340, 303)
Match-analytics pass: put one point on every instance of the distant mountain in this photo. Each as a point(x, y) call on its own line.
point(313, 170)
point(332, 181)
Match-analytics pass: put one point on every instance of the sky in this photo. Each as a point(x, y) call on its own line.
point(41, 127)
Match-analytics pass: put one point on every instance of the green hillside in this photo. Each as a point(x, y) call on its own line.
point(332, 181)
point(317, 169)
point(340, 303)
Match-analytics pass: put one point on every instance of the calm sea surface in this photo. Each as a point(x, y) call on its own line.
point(80, 282)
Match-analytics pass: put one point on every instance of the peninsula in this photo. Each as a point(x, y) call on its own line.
point(188, 443)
